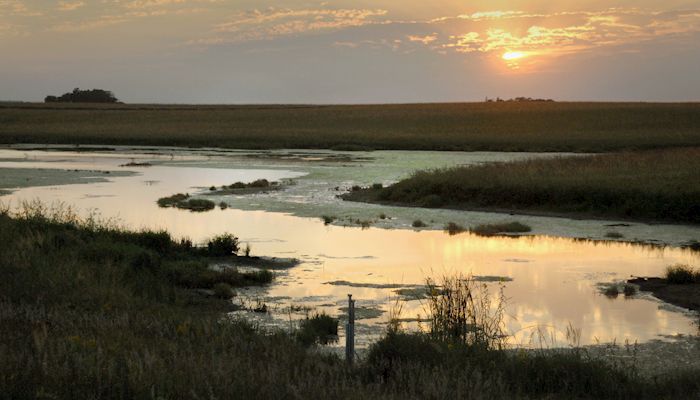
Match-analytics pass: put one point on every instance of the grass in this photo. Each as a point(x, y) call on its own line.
point(680, 274)
point(579, 127)
point(503, 228)
point(93, 311)
point(659, 185)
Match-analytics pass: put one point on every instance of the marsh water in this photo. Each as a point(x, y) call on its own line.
point(551, 277)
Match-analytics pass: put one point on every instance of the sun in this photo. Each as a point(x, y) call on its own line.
point(513, 55)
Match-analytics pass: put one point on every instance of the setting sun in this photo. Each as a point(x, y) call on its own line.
point(513, 55)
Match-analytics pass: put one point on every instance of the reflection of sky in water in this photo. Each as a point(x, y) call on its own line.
point(553, 278)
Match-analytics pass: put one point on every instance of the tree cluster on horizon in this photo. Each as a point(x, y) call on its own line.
point(84, 96)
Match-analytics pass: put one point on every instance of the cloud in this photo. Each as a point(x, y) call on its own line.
point(69, 5)
point(273, 22)
point(541, 34)
point(427, 39)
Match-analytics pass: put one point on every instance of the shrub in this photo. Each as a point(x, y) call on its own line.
point(321, 328)
point(223, 290)
point(355, 188)
point(418, 224)
point(260, 183)
point(328, 219)
point(453, 228)
point(629, 290)
point(614, 235)
point(223, 245)
point(212, 188)
point(223, 205)
point(680, 274)
point(377, 186)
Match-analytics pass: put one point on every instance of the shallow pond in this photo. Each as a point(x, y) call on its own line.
point(551, 278)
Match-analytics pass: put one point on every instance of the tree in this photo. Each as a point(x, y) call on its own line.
point(84, 96)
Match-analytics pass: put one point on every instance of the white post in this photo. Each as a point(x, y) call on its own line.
point(350, 332)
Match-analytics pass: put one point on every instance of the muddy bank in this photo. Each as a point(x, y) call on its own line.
point(682, 295)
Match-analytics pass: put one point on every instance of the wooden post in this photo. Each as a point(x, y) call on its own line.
point(350, 332)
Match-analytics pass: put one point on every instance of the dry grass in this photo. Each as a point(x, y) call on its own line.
point(577, 127)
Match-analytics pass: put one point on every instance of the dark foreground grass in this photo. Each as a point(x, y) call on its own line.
point(581, 127)
point(93, 312)
point(661, 185)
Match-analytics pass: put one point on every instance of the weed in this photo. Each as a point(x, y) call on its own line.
point(614, 235)
point(496, 229)
point(328, 219)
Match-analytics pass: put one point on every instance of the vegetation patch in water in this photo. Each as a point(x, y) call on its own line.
point(497, 229)
point(185, 202)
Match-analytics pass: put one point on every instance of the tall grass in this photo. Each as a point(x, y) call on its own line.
point(656, 185)
point(581, 127)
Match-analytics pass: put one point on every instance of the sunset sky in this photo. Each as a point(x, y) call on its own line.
point(220, 51)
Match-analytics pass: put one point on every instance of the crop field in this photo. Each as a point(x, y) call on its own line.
point(659, 185)
point(507, 126)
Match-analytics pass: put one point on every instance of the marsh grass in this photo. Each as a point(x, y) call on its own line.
point(579, 127)
point(647, 185)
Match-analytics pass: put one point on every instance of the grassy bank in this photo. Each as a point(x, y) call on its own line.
point(659, 185)
point(94, 312)
point(580, 127)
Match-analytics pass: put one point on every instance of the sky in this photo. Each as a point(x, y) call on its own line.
point(381, 51)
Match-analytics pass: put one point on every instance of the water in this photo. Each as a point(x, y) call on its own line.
point(550, 278)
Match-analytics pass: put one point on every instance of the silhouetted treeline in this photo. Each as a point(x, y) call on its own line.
point(84, 96)
point(517, 99)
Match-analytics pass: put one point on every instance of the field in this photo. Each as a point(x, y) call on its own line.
point(94, 312)
point(658, 185)
point(526, 126)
